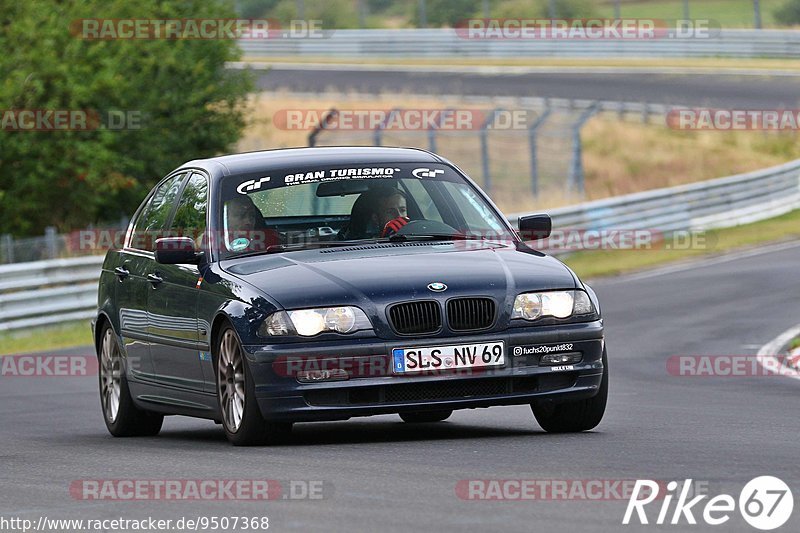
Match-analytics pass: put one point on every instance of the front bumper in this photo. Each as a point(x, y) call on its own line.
point(372, 388)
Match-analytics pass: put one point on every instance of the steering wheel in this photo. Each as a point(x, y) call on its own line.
point(426, 227)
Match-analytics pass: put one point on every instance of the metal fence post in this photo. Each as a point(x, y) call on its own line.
point(533, 132)
point(487, 178)
point(8, 248)
point(757, 14)
point(378, 133)
point(51, 242)
point(362, 14)
point(436, 126)
point(326, 121)
point(576, 178)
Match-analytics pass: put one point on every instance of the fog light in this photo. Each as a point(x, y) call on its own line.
point(560, 358)
point(315, 376)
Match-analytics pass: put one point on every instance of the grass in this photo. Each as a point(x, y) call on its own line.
point(794, 344)
point(592, 264)
point(342, 13)
point(729, 13)
point(789, 65)
point(625, 157)
point(45, 338)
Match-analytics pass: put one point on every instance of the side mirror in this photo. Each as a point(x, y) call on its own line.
point(176, 251)
point(535, 227)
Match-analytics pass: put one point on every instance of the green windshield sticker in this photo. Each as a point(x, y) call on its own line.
point(239, 244)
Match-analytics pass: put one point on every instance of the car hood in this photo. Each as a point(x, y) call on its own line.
point(373, 276)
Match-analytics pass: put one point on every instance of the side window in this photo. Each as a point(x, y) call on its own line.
point(152, 219)
point(190, 216)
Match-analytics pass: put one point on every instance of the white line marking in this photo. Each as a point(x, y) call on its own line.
point(769, 351)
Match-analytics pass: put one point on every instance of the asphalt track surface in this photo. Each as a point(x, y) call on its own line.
point(383, 475)
point(698, 89)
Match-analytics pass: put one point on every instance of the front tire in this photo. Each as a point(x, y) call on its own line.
point(241, 418)
point(575, 416)
point(122, 417)
point(425, 417)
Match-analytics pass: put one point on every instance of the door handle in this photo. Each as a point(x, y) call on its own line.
point(121, 273)
point(155, 279)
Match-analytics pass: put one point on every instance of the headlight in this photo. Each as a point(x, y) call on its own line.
point(558, 304)
point(310, 322)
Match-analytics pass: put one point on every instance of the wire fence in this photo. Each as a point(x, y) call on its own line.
point(54, 245)
point(516, 155)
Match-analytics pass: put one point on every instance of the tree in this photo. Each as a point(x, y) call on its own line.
point(189, 107)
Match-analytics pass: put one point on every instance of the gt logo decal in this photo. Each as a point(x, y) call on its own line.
point(426, 172)
point(251, 185)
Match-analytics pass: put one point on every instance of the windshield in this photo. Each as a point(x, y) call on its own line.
point(298, 208)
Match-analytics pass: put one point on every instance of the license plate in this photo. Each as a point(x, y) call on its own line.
point(407, 360)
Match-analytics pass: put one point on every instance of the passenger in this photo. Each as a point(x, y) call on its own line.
point(245, 228)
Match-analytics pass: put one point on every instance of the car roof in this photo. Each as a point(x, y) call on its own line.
point(309, 157)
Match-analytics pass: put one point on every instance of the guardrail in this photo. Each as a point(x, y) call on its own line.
point(717, 203)
point(39, 293)
point(445, 43)
point(53, 291)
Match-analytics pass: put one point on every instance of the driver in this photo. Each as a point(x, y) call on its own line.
point(392, 211)
point(378, 212)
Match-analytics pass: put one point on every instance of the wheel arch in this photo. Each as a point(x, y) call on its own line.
point(102, 320)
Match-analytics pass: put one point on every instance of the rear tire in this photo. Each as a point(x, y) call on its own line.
point(236, 392)
point(426, 417)
point(575, 416)
point(122, 417)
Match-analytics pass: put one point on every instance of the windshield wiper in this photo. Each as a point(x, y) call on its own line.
point(278, 248)
point(436, 237)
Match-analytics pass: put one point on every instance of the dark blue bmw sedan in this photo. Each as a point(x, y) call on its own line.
point(283, 286)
